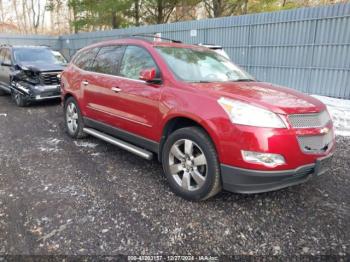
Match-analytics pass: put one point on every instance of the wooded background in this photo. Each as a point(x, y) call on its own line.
point(306, 48)
point(56, 17)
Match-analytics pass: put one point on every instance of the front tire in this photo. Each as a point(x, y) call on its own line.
point(2, 92)
point(191, 164)
point(73, 119)
point(19, 99)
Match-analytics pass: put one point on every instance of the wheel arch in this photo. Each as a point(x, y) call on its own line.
point(180, 121)
point(68, 95)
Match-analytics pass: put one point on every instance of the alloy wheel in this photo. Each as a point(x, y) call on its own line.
point(17, 98)
point(188, 164)
point(72, 117)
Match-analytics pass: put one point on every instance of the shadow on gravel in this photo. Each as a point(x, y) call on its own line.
point(46, 103)
point(43, 103)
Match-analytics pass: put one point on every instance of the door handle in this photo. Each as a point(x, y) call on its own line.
point(85, 83)
point(116, 89)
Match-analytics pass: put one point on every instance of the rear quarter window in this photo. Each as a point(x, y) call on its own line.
point(108, 59)
point(85, 58)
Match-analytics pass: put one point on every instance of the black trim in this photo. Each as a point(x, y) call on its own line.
point(124, 135)
point(249, 181)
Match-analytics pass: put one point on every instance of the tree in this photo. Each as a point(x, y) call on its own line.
point(2, 16)
point(219, 8)
point(100, 14)
point(73, 17)
point(115, 10)
point(258, 6)
point(57, 15)
point(158, 11)
point(135, 11)
point(35, 10)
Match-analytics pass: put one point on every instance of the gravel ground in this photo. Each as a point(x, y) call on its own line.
point(60, 196)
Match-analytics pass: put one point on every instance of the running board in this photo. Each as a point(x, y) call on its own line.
point(122, 144)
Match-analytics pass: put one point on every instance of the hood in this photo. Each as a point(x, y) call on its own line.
point(41, 66)
point(275, 98)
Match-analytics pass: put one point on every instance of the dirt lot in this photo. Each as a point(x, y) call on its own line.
point(60, 196)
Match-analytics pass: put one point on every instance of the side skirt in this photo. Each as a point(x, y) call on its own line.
point(124, 135)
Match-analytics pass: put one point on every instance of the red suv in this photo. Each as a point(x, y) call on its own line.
point(211, 124)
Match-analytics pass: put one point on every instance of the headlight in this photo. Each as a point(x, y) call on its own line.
point(245, 114)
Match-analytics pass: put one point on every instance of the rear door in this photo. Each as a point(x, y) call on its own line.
point(78, 73)
point(101, 86)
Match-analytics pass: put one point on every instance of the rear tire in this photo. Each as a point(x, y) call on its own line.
point(73, 119)
point(191, 164)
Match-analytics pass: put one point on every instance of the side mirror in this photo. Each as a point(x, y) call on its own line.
point(5, 64)
point(148, 74)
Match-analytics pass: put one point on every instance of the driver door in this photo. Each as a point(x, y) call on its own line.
point(138, 105)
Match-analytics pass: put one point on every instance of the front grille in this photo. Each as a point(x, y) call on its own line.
point(49, 78)
point(309, 120)
point(316, 144)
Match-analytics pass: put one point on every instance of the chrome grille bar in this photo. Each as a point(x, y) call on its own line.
point(309, 120)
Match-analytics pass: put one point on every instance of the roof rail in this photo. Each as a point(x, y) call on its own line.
point(155, 36)
point(211, 46)
point(6, 45)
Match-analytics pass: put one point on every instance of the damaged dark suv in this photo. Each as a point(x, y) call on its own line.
point(30, 73)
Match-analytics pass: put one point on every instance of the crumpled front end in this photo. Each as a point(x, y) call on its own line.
point(37, 85)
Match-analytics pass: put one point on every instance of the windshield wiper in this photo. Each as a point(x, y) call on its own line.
point(200, 81)
point(243, 80)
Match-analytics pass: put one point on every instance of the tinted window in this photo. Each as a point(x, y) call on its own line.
point(85, 58)
point(136, 59)
point(108, 59)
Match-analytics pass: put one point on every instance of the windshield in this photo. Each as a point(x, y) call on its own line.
point(59, 57)
point(194, 65)
point(38, 55)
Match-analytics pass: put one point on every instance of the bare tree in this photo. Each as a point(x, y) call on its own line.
point(2, 15)
point(36, 10)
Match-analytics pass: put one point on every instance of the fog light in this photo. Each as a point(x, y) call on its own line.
point(266, 159)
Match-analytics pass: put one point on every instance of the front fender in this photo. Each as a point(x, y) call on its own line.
point(206, 124)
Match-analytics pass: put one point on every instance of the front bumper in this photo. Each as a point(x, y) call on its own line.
point(38, 92)
point(247, 181)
